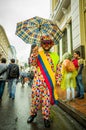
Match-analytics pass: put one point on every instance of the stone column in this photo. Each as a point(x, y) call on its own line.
point(68, 38)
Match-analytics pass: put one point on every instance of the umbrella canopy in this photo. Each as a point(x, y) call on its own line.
point(31, 30)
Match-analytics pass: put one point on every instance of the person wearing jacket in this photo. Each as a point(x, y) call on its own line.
point(13, 75)
point(3, 76)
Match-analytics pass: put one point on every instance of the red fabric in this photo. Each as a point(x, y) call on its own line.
point(48, 84)
point(75, 62)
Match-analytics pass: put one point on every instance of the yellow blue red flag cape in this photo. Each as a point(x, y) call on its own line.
point(48, 74)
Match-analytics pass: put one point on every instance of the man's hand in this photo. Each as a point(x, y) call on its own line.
point(35, 51)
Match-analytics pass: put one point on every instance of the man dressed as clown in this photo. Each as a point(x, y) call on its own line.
point(44, 90)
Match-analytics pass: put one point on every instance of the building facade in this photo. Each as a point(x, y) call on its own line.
point(5, 48)
point(70, 16)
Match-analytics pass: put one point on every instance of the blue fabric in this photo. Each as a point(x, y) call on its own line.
point(12, 87)
point(80, 86)
point(2, 85)
point(48, 76)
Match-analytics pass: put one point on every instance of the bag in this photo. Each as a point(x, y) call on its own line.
point(13, 71)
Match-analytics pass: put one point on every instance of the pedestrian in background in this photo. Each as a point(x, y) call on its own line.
point(44, 77)
point(23, 76)
point(3, 76)
point(13, 75)
point(69, 73)
point(79, 64)
point(30, 76)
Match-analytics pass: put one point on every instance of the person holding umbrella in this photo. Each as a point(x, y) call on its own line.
point(44, 86)
point(44, 90)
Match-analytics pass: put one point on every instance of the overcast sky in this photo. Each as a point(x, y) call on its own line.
point(13, 11)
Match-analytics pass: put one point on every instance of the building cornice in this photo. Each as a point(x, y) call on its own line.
point(60, 9)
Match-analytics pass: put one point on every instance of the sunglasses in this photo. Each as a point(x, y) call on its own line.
point(46, 42)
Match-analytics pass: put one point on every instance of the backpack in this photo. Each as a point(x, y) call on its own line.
point(13, 73)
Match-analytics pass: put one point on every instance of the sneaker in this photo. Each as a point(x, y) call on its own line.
point(0, 100)
point(66, 101)
point(31, 118)
point(13, 98)
point(81, 97)
point(46, 123)
point(73, 100)
point(77, 96)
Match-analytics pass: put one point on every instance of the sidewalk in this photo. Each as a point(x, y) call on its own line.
point(79, 105)
point(76, 108)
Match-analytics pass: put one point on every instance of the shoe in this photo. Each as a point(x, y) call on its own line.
point(66, 101)
point(73, 100)
point(0, 100)
point(46, 123)
point(10, 96)
point(31, 118)
point(81, 97)
point(77, 96)
point(13, 98)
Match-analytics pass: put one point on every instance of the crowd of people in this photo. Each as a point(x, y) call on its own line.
point(12, 74)
point(8, 73)
point(49, 72)
point(26, 77)
point(69, 75)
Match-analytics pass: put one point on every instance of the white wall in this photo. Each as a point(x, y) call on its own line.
point(75, 23)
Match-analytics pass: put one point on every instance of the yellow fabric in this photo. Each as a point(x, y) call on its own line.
point(51, 73)
point(80, 61)
point(65, 74)
point(55, 59)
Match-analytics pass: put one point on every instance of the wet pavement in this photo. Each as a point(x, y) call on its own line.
point(14, 114)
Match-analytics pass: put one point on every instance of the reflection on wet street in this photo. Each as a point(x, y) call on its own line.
point(14, 114)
